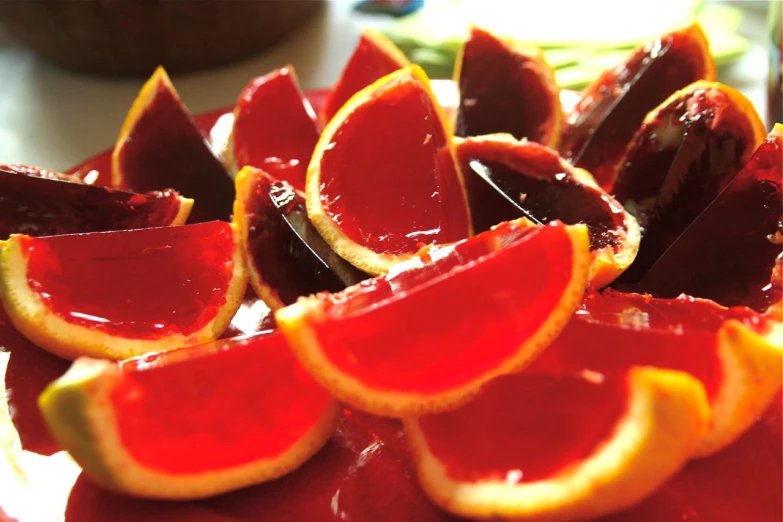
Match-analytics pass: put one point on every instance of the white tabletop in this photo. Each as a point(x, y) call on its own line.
point(55, 119)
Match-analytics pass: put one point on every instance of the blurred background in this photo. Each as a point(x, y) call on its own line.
point(71, 68)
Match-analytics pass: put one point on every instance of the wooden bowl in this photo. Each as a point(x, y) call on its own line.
point(132, 37)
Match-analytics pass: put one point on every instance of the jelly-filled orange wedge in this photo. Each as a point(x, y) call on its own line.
point(123, 293)
point(740, 234)
point(274, 128)
point(161, 147)
point(383, 182)
point(375, 56)
point(735, 353)
point(600, 126)
point(685, 153)
point(428, 334)
point(559, 448)
point(286, 258)
point(507, 179)
point(39, 203)
point(192, 422)
point(505, 88)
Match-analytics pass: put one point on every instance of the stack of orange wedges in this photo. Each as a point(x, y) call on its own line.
point(541, 313)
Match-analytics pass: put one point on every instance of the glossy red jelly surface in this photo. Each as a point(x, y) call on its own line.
point(388, 178)
point(364, 472)
point(677, 166)
point(534, 184)
point(740, 234)
point(368, 63)
point(47, 206)
point(614, 331)
point(524, 428)
point(167, 150)
point(453, 326)
point(606, 118)
point(274, 127)
point(503, 90)
point(217, 405)
point(138, 283)
point(289, 254)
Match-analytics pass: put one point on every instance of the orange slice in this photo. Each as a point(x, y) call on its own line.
point(507, 179)
point(160, 146)
point(124, 293)
point(375, 56)
point(285, 256)
point(685, 153)
point(274, 128)
point(602, 123)
point(192, 422)
point(735, 353)
point(42, 203)
point(382, 181)
point(534, 447)
point(506, 88)
point(427, 335)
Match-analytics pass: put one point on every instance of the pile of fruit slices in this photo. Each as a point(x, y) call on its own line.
point(455, 283)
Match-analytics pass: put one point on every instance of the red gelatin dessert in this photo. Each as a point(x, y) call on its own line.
point(376, 194)
point(505, 88)
point(245, 404)
point(41, 203)
point(428, 334)
point(684, 154)
point(274, 128)
point(123, 293)
point(573, 448)
point(734, 352)
point(161, 147)
point(602, 124)
point(507, 179)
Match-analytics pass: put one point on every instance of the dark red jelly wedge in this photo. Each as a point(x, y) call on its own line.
point(286, 256)
point(599, 128)
point(160, 146)
point(686, 152)
point(729, 252)
point(507, 179)
point(504, 88)
point(40, 203)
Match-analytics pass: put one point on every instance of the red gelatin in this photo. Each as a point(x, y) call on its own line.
point(740, 234)
point(38, 203)
point(678, 164)
point(556, 422)
point(220, 399)
point(365, 473)
point(140, 283)
point(428, 313)
point(165, 149)
point(534, 184)
point(274, 127)
point(389, 179)
point(614, 331)
point(612, 108)
point(504, 90)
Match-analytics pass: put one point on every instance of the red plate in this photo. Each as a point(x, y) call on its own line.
point(364, 474)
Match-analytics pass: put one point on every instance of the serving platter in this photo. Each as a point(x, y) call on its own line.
point(363, 474)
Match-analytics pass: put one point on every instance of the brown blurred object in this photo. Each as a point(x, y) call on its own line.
point(132, 37)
